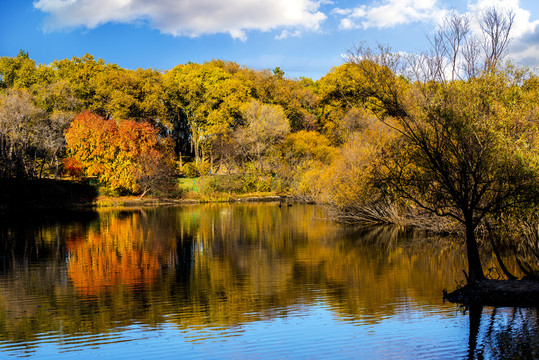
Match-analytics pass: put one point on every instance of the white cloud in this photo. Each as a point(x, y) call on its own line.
point(186, 17)
point(524, 45)
point(521, 25)
point(384, 14)
point(390, 13)
point(288, 34)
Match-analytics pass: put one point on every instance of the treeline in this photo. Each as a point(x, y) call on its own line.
point(216, 117)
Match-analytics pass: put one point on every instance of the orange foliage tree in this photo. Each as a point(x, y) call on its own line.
point(117, 254)
point(124, 155)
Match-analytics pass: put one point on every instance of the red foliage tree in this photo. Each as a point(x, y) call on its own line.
point(123, 154)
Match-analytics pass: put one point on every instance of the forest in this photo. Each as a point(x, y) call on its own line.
point(445, 140)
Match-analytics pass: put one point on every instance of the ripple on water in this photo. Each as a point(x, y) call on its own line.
point(259, 283)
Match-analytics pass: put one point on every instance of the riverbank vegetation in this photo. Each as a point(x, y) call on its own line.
point(445, 140)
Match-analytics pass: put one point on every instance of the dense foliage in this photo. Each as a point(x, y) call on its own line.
point(124, 155)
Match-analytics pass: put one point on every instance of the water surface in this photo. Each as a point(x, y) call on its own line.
point(238, 282)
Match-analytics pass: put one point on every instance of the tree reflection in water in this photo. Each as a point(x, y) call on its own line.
point(503, 333)
point(219, 266)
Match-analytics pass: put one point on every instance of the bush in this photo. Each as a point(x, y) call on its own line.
point(254, 180)
point(347, 185)
point(311, 182)
point(192, 169)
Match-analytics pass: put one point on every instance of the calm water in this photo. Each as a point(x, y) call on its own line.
point(239, 282)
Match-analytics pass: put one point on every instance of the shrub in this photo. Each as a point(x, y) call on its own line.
point(192, 169)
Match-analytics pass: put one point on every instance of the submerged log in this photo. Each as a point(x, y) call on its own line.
point(523, 293)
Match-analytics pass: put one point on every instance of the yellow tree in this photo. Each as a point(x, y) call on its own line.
point(465, 148)
point(19, 71)
point(81, 73)
point(207, 99)
point(128, 94)
point(343, 102)
point(300, 152)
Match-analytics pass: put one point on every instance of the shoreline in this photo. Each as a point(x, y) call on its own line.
point(48, 194)
point(128, 201)
point(151, 201)
point(498, 293)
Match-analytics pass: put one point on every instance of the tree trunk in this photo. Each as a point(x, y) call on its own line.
point(41, 169)
point(57, 166)
point(197, 151)
point(144, 192)
point(475, 270)
point(211, 162)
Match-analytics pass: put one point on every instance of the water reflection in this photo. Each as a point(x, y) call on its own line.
point(218, 272)
point(503, 333)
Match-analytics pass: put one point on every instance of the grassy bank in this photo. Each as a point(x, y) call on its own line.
point(48, 193)
point(225, 188)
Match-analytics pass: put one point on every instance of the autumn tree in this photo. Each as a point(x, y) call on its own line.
point(81, 72)
point(20, 121)
point(128, 94)
point(266, 125)
point(56, 98)
point(299, 152)
point(296, 97)
point(125, 155)
point(18, 71)
point(466, 147)
point(343, 102)
point(346, 185)
point(206, 100)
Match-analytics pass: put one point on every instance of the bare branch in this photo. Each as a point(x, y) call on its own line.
point(496, 27)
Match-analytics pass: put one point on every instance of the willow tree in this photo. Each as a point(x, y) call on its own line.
point(466, 146)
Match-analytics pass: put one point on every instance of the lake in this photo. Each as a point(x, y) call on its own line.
point(240, 281)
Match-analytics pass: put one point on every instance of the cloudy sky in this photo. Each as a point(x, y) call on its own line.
point(302, 37)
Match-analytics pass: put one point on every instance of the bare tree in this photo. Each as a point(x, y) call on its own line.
point(496, 28)
point(457, 54)
point(52, 143)
point(447, 44)
point(18, 119)
point(266, 124)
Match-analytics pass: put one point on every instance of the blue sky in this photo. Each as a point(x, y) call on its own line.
point(302, 37)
